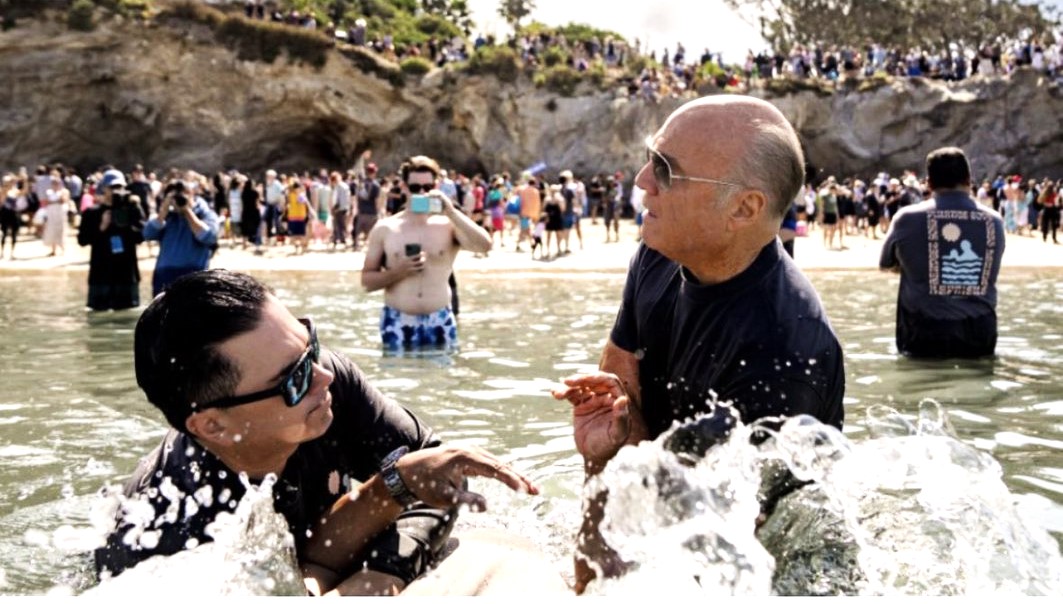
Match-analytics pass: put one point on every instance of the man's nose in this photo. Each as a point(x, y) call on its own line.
point(645, 179)
point(322, 377)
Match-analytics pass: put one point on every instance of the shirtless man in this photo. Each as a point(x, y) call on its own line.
point(410, 255)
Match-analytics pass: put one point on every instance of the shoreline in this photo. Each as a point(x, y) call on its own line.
point(597, 256)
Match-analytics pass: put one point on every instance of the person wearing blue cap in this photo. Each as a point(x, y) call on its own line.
point(113, 228)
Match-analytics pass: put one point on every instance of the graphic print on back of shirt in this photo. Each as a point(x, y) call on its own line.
point(961, 252)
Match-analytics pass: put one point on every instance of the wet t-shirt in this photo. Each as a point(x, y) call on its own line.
point(188, 486)
point(760, 340)
point(948, 250)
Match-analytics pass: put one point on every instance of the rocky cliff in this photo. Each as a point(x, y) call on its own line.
point(165, 95)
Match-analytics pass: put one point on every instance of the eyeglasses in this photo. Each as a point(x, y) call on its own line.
point(663, 174)
point(292, 388)
point(416, 187)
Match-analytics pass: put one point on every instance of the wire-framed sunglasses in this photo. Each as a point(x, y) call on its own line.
point(664, 175)
point(292, 388)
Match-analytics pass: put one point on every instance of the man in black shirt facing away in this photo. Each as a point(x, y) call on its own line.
point(713, 308)
point(368, 493)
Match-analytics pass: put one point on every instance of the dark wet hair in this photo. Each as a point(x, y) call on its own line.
point(175, 343)
point(947, 168)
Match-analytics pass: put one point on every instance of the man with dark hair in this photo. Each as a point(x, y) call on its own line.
point(410, 255)
point(367, 492)
point(948, 250)
point(713, 308)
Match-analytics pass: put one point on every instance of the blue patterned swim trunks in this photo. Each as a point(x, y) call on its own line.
point(435, 330)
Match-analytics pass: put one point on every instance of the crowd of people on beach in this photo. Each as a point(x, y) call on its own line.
point(858, 207)
point(322, 210)
point(328, 211)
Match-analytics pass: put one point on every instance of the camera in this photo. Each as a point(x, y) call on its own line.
point(120, 206)
point(412, 249)
point(177, 190)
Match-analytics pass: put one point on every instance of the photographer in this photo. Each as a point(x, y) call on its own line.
point(113, 229)
point(187, 231)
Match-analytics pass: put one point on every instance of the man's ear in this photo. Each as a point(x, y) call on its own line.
point(749, 207)
point(207, 425)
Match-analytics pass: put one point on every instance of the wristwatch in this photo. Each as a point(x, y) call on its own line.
point(393, 480)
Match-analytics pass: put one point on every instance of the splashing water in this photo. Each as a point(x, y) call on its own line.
point(911, 510)
point(252, 554)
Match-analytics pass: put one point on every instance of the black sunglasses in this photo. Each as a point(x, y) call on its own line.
point(663, 174)
point(416, 187)
point(293, 387)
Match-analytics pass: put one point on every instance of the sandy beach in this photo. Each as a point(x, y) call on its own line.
point(595, 256)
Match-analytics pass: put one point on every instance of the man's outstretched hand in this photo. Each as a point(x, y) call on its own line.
point(603, 417)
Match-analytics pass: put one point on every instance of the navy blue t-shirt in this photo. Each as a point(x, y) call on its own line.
point(760, 340)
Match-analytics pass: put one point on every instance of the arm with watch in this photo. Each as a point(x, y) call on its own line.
point(388, 530)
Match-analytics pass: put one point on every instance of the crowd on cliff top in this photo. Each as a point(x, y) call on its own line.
point(674, 74)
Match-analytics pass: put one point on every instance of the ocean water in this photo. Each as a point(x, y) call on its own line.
point(979, 470)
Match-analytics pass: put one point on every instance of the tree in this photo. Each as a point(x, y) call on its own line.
point(928, 24)
point(513, 11)
point(455, 11)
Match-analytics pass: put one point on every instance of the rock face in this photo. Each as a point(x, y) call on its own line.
point(167, 95)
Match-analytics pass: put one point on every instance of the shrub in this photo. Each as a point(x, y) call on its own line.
point(195, 11)
point(596, 74)
point(434, 25)
point(254, 40)
point(637, 63)
point(415, 66)
point(80, 16)
point(263, 40)
point(554, 56)
point(367, 61)
point(561, 79)
point(129, 8)
point(500, 61)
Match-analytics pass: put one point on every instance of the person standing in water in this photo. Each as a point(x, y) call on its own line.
point(411, 257)
point(948, 250)
point(713, 308)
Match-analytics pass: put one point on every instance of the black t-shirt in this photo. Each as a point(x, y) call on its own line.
point(367, 200)
point(113, 253)
point(760, 340)
point(366, 426)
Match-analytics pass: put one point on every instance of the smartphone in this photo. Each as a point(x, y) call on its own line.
point(412, 249)
point(425, 204)
point(420, 204)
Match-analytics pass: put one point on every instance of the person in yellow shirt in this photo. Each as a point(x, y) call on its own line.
point(297, 212)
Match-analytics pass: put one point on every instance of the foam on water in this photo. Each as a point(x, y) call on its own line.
point(252, 554)
point(909, 511)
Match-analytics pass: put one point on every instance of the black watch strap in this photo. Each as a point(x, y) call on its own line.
point(393, 480)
